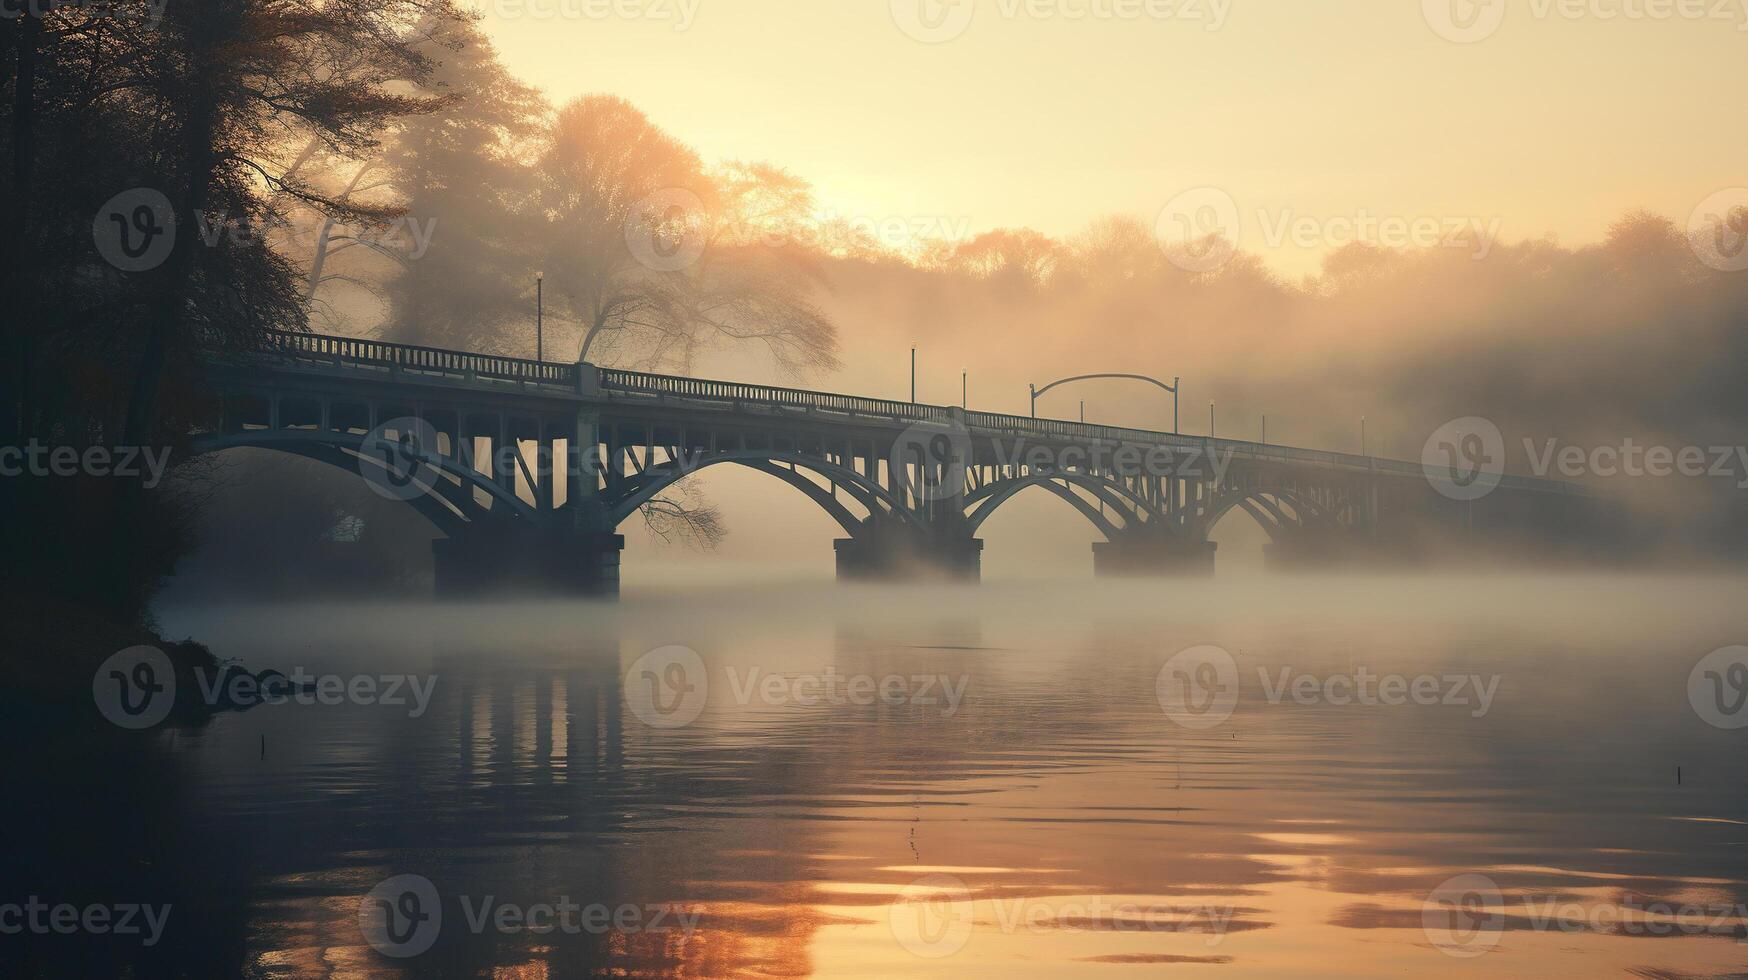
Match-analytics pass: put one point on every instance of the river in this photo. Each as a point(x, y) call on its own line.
point(1340, 776)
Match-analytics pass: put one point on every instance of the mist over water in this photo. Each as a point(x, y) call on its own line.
point(1012, 792)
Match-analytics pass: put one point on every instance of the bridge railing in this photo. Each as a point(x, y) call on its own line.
point(373, 355)
point(358, 353)
point(613, 379)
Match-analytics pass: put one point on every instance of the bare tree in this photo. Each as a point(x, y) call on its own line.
point(684, 516)
point(643, 254)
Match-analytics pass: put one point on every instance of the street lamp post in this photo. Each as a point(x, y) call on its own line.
point(1173, 388)
point(964, 388)
point(1363, 436)
point(913, 374)
point(539, 316)
point(1210, 418)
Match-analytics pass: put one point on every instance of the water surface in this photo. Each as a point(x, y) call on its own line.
point(1020, 802)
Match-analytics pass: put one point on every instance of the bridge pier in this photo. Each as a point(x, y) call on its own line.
point(550, 563)
point(903, 556)
point(1156, 554)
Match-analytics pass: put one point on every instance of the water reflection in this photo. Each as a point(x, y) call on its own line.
point(1049, 819)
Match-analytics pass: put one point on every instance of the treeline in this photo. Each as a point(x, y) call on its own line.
point(182, 176)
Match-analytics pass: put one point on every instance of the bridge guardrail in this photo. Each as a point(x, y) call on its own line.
point(329, 350)
point(1020, 425)
point(355, 352)
point(731, 391)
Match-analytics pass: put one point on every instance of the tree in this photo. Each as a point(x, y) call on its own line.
point(1017, 258)
point(466, 168)
point(236, 82)
point(638, 251)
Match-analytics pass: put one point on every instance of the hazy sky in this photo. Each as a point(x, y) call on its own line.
point(1051, 112)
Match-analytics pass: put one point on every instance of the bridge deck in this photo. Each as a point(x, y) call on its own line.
point(351, 356)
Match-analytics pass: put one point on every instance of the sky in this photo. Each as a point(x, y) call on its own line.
point(1312, 121)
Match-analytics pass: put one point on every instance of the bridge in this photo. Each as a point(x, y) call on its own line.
point(528, 468)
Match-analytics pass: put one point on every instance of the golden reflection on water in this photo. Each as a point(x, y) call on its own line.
point(1055, 821)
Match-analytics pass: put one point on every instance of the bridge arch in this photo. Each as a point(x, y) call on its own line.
point(1269, 507)
point(448, 503)
point(980, 504)
point(880, 503)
